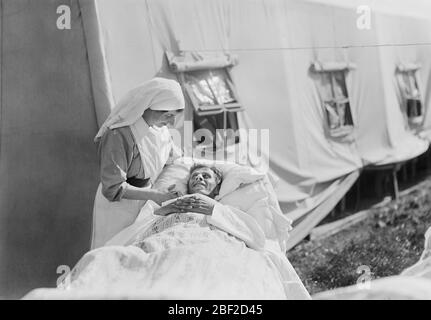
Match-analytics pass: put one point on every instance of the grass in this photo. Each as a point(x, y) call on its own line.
point(388, 241)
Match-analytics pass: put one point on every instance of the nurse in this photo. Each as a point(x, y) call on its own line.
point(134, 146)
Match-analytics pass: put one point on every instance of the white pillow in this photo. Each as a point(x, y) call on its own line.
point(177, 174)
point(234, 175)
point(259, 200)
point(245, 197)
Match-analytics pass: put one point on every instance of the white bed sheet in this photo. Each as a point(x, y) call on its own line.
point(223, 256)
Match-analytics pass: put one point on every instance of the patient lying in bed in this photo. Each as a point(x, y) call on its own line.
point(199, 217)
point(203, 180)
point(190, 248)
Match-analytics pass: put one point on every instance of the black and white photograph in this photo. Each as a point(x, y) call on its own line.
point(215, 150)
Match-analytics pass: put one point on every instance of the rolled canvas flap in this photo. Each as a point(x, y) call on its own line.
point(406, 67)
point(318, 66)
point(193, 61)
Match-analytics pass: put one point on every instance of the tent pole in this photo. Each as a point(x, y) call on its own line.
point(224, 132)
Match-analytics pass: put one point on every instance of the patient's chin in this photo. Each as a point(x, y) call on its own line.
point(202, 191)
point(211, 194)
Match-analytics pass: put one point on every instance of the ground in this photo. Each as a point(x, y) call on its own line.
point(388, 241)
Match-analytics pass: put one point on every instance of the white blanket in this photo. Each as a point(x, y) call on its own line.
point(184, 256)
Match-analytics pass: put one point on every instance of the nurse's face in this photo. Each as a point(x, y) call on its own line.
point(163, 118)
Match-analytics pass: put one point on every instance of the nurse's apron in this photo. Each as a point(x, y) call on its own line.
point(110, 217)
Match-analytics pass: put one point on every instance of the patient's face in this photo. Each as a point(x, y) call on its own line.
point(203, 181)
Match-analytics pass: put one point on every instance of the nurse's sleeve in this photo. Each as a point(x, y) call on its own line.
point(115, 153)
point(239, 224)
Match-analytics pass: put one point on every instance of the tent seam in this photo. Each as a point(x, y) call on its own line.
point(1, 73)
point(88, 58)
point(150, 31)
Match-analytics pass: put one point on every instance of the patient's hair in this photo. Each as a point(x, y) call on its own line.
point(217, 172)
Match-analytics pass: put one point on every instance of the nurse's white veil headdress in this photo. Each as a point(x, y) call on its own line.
point(157, 94)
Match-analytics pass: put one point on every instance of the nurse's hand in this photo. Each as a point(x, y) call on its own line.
point(171, 189)
point(161, 197)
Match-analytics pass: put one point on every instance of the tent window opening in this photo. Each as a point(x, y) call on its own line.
point(210, 88)
point(215, 103)
point(335, 100)
point(412, 97)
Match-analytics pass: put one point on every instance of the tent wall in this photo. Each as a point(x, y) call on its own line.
point(402, 36)
point(382, 132)
point(273, 83)
point(48, 161)
point(418, 33)
point(400, 33)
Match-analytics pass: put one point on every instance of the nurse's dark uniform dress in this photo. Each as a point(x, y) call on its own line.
point(129, 156)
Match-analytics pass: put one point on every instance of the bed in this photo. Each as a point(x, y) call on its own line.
point(236, 253)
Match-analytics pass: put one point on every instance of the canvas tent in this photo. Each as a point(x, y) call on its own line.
point(310, 166)
point(327, 31)
point(277, 42)
point(48, 162)
point(399, 35)
point(415, 30)
point(59, 85)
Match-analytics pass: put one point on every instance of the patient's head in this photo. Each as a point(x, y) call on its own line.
point(204, 180)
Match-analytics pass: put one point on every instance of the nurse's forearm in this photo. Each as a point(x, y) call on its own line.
point(134, 193)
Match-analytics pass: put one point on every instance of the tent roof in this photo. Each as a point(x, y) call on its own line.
point(418, 8)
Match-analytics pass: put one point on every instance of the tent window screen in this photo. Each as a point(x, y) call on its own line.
point(335, 100)
point(412, 97)
point(212, 93)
